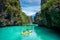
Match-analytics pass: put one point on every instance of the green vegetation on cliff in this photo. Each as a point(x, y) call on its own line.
point(50, 13)
point(11, 13)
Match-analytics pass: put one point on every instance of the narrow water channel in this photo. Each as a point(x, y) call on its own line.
point(14, 33)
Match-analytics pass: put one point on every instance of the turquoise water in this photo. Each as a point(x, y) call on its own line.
point(14, 33)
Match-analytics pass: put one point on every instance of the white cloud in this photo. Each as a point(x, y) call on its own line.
point(31, 6)
point(31, 10)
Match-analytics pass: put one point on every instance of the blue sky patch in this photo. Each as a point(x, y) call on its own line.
point(30, 7)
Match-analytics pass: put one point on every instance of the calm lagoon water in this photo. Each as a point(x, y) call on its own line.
point(14, 33)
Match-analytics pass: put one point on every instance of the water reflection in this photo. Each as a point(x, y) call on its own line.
point(31, 36)
point(46, 34)
point(14, 33)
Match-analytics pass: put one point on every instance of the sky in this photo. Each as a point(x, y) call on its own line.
point(30, 7)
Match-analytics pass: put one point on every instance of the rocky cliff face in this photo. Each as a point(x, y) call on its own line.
point(10, 13)
point(49, 13)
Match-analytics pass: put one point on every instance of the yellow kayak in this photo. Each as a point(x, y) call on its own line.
point(26, 32)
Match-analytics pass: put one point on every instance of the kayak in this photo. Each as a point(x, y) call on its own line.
point(26, 32)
